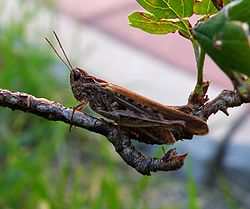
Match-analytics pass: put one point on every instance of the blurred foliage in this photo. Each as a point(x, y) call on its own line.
point(44, 166)
point(37, 167)
point(193, 202)
point(225, 189)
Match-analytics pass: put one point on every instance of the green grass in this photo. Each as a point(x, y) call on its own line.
point(42, 164)
point(193, 202)
point(226, 192)
point(45, 166)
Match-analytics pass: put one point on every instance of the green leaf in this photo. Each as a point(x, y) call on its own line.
point(150, 24)
point(165, 16)
point(160, 19)
point(206, 7)
point(168, 9)
point(239, 11)
point(226, 38)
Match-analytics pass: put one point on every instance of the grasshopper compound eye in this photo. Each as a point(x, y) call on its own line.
point(76, 75)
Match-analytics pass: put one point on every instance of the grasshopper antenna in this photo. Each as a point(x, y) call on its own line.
point(69, 66)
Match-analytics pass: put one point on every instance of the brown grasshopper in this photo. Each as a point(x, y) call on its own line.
point(144, 119)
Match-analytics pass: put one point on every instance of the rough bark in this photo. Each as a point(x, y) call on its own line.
point(54, 111)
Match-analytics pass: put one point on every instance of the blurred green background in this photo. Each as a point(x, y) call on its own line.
point(44, 166)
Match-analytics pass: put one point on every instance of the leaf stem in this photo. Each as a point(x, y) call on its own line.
point(200, 58)
point(198, 97)
point(200, 65)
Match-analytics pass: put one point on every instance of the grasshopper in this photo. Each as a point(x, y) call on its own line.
point(144, 119)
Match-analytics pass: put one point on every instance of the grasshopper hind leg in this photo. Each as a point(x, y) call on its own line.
point(158, 135)
point(153, 135)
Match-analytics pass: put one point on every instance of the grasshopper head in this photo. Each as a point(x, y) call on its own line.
point(79, 79)
point(77, 75)
point(81, 84)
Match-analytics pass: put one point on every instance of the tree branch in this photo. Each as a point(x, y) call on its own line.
point(222, 102)
point(118, 136)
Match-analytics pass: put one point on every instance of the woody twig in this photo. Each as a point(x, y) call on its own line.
point(56, 112)
point(121, 141)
